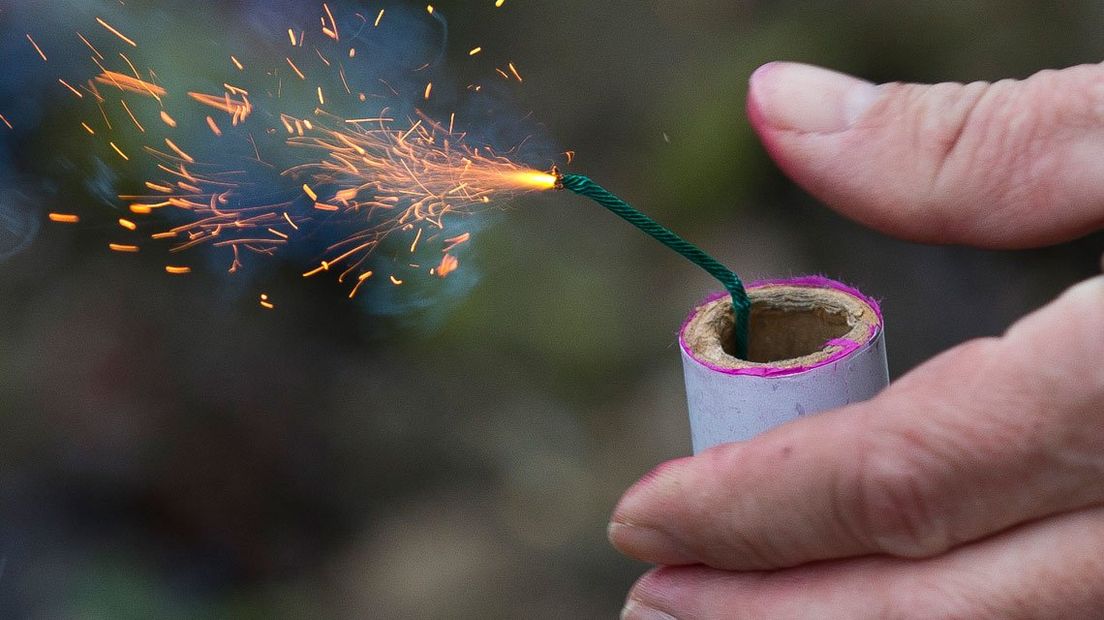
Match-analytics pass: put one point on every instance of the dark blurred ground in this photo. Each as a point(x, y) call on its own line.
point(171, 453)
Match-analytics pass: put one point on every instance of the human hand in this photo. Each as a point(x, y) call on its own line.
point(974, 486)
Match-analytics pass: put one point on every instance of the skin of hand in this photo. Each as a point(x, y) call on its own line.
point(973, 487)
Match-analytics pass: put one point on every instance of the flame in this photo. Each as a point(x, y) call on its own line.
point(532, 179)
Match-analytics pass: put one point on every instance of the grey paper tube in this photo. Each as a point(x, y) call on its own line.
point(814, 344)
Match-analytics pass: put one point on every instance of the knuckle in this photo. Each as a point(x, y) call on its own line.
point(1005, 141)
point(986, 136)
point(897, 510)
point(979, 158)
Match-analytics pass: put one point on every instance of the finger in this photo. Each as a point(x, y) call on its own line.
point(988, 435)
point(1007, 164)
point(1048, 569)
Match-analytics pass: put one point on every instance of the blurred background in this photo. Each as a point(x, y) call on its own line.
point(170, 450)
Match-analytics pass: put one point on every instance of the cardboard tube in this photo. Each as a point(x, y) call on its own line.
point(814, 344)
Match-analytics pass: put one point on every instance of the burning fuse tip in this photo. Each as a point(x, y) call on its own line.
point(558, 184)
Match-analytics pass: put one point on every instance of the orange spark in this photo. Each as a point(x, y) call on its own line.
point(514, 70)
point(333, 23)
point(63, 218)
point(128, 83)
point(88, 129)
point(127, 224)
point(119, 151)
point(118, 247)
point(90, 46)
point(377, 119)
point(37, 48)
point(310, 192)
point(360, 281)
point(428, 90)
point(499, 3)
point(168, 120)
point(5, 120)
point(133, 69)
point(237, 63)
point(74, 91)
point(177, 271)
point(455, 241)
point(115, 32)
point(396, 281)
point(296, 69)
point(239, 110)
point(214, 127)
point(176, 149)
point(132, 117)
point(378, 18)
point(323, 267)
point(474, 51)
point(448, 265)
point(234, 90)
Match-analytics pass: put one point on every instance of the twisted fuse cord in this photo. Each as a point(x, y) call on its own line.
point(741, 305)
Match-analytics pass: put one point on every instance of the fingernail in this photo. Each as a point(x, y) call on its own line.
point(635, 610)
point(808, 99)
point(647, 543)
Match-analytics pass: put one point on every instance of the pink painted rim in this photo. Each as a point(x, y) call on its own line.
point(846, 345)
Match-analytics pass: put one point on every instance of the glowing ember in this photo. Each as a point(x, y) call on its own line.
point(38, 49)
point(115, 32)
point(132, 84)
point(448, 265)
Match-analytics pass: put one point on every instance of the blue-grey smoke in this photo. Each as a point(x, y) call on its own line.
point(18, 223)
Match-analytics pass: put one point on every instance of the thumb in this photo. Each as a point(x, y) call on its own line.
point(1005, 164)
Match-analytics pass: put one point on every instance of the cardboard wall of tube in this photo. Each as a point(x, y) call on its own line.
point(814, 344)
